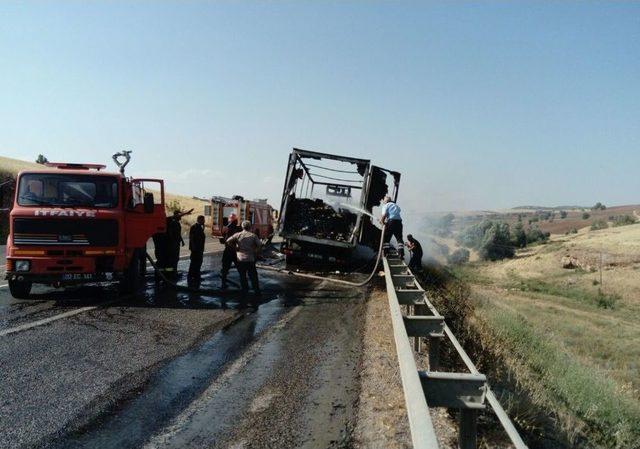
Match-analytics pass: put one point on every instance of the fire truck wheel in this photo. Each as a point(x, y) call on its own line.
point(132, 280)
point(20, 289)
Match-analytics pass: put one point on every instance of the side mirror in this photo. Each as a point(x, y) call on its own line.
point(149, 205)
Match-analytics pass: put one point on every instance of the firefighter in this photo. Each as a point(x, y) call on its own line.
point(174, 241)
point(160, 249)
point(415, 263)
point(196, 246)
point(247, 246)
point(391, 217)
point(229, 255)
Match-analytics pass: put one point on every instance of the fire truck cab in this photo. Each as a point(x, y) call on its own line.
point(258, 212)
point(74, 223)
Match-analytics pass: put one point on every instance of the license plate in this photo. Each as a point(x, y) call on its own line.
point(77, 276)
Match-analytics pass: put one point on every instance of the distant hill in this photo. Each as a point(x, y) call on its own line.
point(549, 207)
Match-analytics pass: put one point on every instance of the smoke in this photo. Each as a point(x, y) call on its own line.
point(426, 228)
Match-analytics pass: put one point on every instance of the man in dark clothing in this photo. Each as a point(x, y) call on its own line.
point(196, 246)
point(415, 263)
point(229, 254)
point(160, 251)
point(174, 241)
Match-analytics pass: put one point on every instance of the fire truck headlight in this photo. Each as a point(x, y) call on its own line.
point(22, 265)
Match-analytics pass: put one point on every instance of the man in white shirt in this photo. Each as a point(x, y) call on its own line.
point(391, 217)
point(247, 246)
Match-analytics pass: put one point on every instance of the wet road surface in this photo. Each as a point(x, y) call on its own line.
point(168, 370)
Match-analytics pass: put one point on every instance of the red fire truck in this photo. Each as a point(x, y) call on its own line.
point(258, 212)
point(74, 223)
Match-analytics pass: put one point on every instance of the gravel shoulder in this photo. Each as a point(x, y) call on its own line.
point(382, 417)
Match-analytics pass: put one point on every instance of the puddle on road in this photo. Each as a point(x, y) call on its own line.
point(171, 389)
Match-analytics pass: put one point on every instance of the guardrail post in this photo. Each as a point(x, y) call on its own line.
point(434, 353)
point(468, 431)
point(418, 310)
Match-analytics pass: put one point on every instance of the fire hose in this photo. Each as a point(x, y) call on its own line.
point(278, 270)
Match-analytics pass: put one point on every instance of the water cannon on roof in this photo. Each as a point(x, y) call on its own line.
point(122, 164)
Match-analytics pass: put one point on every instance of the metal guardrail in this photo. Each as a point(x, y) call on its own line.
point(467, 392)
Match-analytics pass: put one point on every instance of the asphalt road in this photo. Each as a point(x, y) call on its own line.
point(175, 370)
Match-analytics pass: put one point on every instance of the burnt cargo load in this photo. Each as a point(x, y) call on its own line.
point(326, 206)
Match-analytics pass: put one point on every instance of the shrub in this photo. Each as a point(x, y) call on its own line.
point(458, 257)
point(586, 215)
point(536, 235)
point(605, 301)
point(492, 239)
point(563, 214)
point(599, 224)
point(173, 205)
point(599, 206)
point(624, 220)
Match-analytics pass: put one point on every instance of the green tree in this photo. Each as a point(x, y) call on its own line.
point(519, 236)
point(41, 159)
point(586, 215)
point(496, 243)
point(563, 214)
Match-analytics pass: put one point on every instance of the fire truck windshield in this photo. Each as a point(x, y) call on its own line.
point(48, 189)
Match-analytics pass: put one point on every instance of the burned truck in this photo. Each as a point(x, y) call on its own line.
point(327, 205)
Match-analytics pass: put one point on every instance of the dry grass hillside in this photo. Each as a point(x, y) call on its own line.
point(10, 167)
point(571, 334)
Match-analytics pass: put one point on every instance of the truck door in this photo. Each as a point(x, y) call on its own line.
point(380, 182)
point(144, 211)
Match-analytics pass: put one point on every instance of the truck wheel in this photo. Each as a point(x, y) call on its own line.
point(20, 289)
point(132, 280)
point(142, 261)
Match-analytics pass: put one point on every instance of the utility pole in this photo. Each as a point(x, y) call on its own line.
point(601, 266)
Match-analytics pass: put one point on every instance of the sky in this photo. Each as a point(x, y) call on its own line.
point(480, 105)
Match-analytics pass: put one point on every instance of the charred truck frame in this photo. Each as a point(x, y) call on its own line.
point(326, 207)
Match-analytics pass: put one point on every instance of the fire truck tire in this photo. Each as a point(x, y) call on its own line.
point(132, 280)
point(20, 289)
